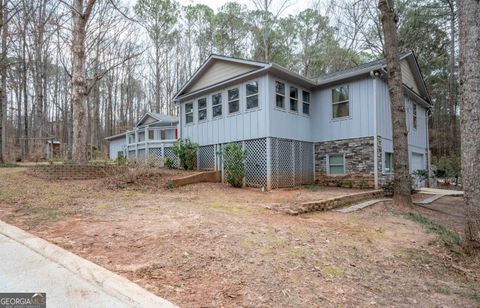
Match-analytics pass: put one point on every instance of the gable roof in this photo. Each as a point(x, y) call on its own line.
point(413, 79)
point(158, 118)
point(237, 67)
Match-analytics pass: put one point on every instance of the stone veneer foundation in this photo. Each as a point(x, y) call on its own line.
point(359, 162)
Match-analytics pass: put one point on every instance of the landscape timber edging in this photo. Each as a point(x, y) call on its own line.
point(331, 203)
point(201, 177)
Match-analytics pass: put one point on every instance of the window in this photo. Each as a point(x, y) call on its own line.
point(388, 162)
point(233, 100)
point(217, 105)
point(293, 99)
point(252, 94)
point(306, 102)
point(280, 94)
point(151, 134)
point(141, 136)
point(163, 134)
point(340, 102)
point(188, 113)
point(202, 109)
point(131, 138)
point(336, 164)
point(414, 116)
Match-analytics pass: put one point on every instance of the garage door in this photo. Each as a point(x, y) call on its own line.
point(418, 164)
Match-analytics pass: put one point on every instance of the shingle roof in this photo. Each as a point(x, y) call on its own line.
point(164, 118)
point(365, 67)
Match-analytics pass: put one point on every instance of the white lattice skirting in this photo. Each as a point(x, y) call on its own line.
point(290, 162)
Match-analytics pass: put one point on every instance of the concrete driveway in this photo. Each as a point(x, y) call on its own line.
point(29, 264)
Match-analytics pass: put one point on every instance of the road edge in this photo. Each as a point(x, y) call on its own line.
point(113, 284)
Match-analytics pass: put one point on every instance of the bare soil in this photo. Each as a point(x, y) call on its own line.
point(210, 245)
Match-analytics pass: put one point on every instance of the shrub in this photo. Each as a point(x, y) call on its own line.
point(169, 163)
point(448, 167)
point(186, 151)
point(121, 159)
point(234, 164)
point(363, 184)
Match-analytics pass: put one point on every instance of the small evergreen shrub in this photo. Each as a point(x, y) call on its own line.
point(234, 164)
point(186, 151)
point(169, 163)
point(121, 159)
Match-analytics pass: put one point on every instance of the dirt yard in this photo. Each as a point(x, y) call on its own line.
point(209, 245)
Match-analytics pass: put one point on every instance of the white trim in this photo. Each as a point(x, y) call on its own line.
point(277, 93)
point(198, 109)
point(251, 95)
point(344, 164)
point(220, 104)
point(349, 116)
point(290, 86)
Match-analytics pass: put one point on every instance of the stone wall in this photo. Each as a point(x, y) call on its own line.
point(359, 162)
point(73, 172)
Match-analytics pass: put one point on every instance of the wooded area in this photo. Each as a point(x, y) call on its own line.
point(137, 56)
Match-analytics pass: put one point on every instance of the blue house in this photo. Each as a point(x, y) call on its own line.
point(298, 130)
point(152, 136)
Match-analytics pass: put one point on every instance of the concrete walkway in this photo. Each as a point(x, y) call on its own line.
point(30, 264)
point(361, 205)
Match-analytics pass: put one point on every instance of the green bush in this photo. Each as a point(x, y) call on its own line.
point(186, 151)
point(448, 166)
point(234, 164)
point(169, 163)
point(121, 159)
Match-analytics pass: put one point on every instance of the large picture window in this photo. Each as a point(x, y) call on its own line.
point(280, 94)
point(336, 164)
point(188, 113)
point(340, 102)
point(252, 94)
point(202, 109)
point(233, 100)
point(217, 105)
point(306, 102)
point(294, 99)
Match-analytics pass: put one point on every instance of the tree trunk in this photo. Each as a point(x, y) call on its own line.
point(79, 82)
point(469, 12)
point(3, 74)
point(402, 193)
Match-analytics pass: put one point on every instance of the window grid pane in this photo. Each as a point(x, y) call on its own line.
point(252, 88)
point(233, 106)
point(252, 102)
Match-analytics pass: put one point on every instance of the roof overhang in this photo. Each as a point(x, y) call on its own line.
point(117, 136)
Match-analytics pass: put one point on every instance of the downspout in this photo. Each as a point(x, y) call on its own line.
point(429, 184)
point(375, 130)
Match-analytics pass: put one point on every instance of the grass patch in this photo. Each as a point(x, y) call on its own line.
point(9, 165)
point(449, 238)
point(332, 270)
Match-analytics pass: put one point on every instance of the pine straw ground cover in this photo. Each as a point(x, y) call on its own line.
point(209, 245)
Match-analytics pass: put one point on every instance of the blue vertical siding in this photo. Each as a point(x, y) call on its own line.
point(358, 124)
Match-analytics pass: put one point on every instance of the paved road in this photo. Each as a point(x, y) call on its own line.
point(24, 270)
